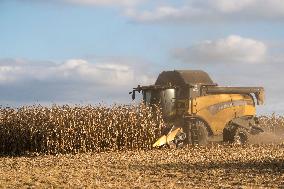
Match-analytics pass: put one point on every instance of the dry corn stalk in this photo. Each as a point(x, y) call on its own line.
point(72, 129)
point(66, 129)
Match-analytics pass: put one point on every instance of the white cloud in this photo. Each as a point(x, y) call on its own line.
point(232, 61)
point(189, 10)
point(233, 49)
point(209, 10)
point(71, 81)
point(118, 74)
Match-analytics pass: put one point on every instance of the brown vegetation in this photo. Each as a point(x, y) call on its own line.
point(66, 129)
point(218, 166)
point(123, 135)
point(73, 129)
point(273, 123)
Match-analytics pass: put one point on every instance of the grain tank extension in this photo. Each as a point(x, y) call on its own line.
point(198, 111)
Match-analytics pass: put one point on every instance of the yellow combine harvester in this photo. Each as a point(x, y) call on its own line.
point(198, 111)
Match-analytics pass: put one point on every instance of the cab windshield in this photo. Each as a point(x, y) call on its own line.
point(151, 97)
point(166, 99)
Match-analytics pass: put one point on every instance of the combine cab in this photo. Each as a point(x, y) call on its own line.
point(198, 111)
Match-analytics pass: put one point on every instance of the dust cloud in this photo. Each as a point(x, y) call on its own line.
point(268, 137)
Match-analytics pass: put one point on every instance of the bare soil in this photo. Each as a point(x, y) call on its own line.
point(218, 166)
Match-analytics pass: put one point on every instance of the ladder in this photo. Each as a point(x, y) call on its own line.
point(193, 131)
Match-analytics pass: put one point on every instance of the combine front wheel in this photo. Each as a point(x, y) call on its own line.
point(202, 133)
point(198, 133)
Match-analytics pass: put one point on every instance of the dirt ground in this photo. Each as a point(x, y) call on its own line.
point(251, 166)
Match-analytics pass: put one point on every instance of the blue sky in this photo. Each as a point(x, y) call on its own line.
point(70, 51)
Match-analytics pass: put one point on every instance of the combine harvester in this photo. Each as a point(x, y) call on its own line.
point(198, 111)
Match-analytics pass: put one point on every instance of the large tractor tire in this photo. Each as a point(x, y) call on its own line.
point(228, 135)
point(202, 133)
point(241, 136)
point(194, 132)
point(197, 133)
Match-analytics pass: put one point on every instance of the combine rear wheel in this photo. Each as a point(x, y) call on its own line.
point(241, 136)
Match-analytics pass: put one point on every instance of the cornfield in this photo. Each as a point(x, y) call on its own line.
point(123, 134)
point(273, 123)
point(73, 129)
point(66, 129)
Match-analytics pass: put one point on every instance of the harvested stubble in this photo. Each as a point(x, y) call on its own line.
point(66, 129)
point(218, 166)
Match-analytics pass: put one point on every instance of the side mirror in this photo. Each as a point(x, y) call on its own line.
point(133, 95)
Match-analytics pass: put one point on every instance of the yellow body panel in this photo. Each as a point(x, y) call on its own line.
point(161, 141)
point(166, 139)
point(218, 110)
point(215, 110)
